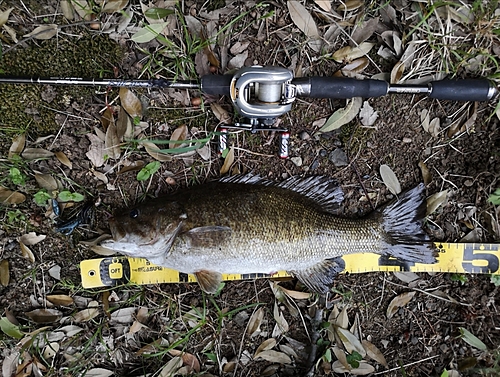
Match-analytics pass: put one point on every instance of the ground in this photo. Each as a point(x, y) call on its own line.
point(131, 330)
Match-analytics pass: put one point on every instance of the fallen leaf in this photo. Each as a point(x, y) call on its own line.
point(228, 161)
point(189, 360)
point(26, 252)
point(171, 368)
point(326, 5)
point(44, 315)
point(179, 134)
point(4, 273)
point(426, 173)
point(96, 151)
point(149, 32)
point(350, 342)
point(425, 119)
point(265, 345)
point(435, 127)
point(349, 5)
point(406, 276)
point(67, 9)
point(275, 357)
point(43, 32)
point(130, 103)
point(362, 370)
point(220, 113)
point(85, 315)
point(60, 300)
point(31, 238)
point(296, 294)
point(50, 350)
point(397, 72)
point(114, 6)
point(435, 201)
point(63, 159)
point(204, 152)
point(350, 53)
point(303, 19)
point(367, 115)
point(471, 339)
point(374, 353)
point(343, 116)
point(11, 197)
point(4, 16)
point(255, 321)
point(124, 316)
point(124, 127)
point(99, 372)
point(46, 181)
point(355, 67)
point(390, 179)
point(398, 302)
point(341, 357)
point(17, 146)
point(281, 326)
point(112, 143)
point(35, 153)
point(155, 152)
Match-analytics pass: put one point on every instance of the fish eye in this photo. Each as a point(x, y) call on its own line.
point(134, 213)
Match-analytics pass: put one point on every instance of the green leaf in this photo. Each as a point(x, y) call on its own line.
point(10, 329)
point(41, 197)
point(148, 33)
point(147, 171)
point(158, 13)
point(17, 177)
point(495, 279)
point(495, 197)
point(445, 373)
point(68, 196)
point(354, 358)
point(471, 339)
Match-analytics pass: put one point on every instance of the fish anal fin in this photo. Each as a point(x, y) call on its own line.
point(207, 236)
point(209, 280)
point(320, 277)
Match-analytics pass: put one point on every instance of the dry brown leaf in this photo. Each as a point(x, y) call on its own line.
point(101, 176)
point(435, 201)
point(26, 252)
point(326, 5)
point(274, 357)
point(99, 372)
point(179, 134)
point(43, 32)
point(435, 127)
point(107, 118)
point(17, 146)
point(355, 67)
point(398, 302)
point(112, 143)
point(367, 115)
point(365, 30)
point(4, 273)
point(303, 19)
point(130, 103)
point(296, 294)
point(189, 360)
point(172, 367)
point(63, 159)
point(60, 300)
point(349, 5)
point(114, 5)
point(350, 53)
point(341, 357)
point(31, 238)
point(67, 9)
point(124, 126)
point(343, 116)
point(44, 315)
point(255, 322)
point(4, 16)
point(154, 151)
point(397, 72)
point(11, 197)
point(265, 345)
point(220, 113)
point(426, 173)
point(85, 315)
point(281, 326)
point(133, 166)
point(228, 161)
point(390, 179)
point(34, 153)
point(374, 353)
point(425, 119)
point(350, 342)
point(362, 370)
point(46, 181)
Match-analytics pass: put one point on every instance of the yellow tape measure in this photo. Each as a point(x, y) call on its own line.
point(453, 257)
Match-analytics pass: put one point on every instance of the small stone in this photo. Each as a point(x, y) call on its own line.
point(55, 272)
point(323, 153)
point(304, 135)
point(314, 165)
point(297, 161)
point(241, 318)
point(338, 158)
point(407, 140)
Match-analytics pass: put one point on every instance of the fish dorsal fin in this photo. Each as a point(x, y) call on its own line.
point(320, 277)
point(325, 191)
point(207, 236)
point(209, 280)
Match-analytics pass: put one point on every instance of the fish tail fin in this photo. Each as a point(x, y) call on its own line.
point(402, 222)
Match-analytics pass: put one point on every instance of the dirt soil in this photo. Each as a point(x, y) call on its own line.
point(422, 338)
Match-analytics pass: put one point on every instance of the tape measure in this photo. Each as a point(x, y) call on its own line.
point(453, 257)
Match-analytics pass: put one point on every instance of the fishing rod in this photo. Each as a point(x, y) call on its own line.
point(262, 94)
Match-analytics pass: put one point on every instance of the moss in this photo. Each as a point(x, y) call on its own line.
point(22, 106)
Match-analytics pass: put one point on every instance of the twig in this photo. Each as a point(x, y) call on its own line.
point(315, 326)
point(406, 365)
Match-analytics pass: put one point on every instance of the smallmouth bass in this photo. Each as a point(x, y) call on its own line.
point(246, 224)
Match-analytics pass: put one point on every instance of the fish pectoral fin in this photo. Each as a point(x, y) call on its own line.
point(320, 277)
point(209, 280)
point(207, 236)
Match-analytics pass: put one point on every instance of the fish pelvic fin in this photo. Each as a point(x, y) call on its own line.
point(402, 223)
point(320, 277)
point(209, 281)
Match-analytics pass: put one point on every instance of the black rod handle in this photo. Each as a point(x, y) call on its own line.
point(463, 90)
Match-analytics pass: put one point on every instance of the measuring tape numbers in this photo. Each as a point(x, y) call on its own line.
point(467, 258)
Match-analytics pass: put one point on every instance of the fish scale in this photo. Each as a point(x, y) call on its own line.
point(250, 225)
